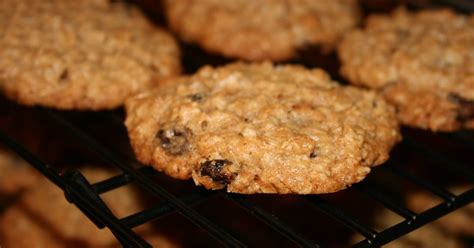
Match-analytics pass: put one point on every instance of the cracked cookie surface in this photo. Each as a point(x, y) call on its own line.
point(421, 62)
point(88, 54)
point(259, 128)
point(261, 30)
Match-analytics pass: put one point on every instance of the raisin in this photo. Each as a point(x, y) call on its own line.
point(374, 104)
point(198, 97)
point(174, 142)
point(64, 75)
point(214, 169)
point(466, 107)
point(313, 154)
point(402, 33)
point(153, 68)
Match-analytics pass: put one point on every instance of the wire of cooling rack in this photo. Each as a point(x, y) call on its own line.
point(74, 195)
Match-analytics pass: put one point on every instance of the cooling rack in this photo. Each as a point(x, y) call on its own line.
point(379, 187)
point(87, 198)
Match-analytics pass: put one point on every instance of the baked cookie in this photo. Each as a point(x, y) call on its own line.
point(421, 62)
point(15, 174)
point(80, 54)
point(259, 128)
point(459, 222)
point(261, 30)
point(43, 218)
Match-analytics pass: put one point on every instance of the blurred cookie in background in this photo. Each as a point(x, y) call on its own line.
point(15, 174)
point(421, 62)
point(261, 30)
point(87, 55)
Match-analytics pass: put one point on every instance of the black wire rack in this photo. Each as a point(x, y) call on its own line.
point(379, 187)
point(86, 196)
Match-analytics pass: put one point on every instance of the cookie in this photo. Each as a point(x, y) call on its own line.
point(259, 128)
point(15, 174)
point(459, 222)
point(421, 62)
point(261, 30)
point(86, 55)
point(43, 218)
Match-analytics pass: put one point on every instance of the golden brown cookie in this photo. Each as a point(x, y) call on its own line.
point(15, 174)
point(261, 30)
point(259, 128)
point(421, 62)
point(80, 54)
point(42, 218)
point(459, 222)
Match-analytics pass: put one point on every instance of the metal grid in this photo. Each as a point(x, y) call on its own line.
point(86, 196)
